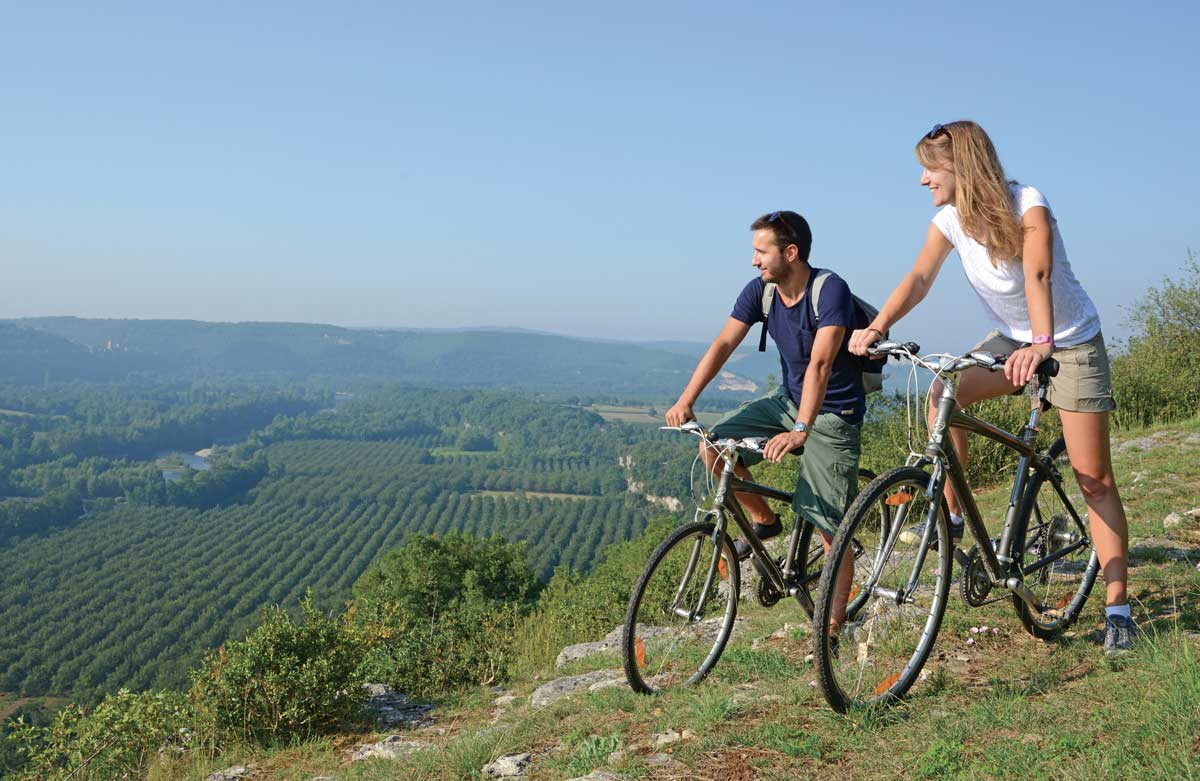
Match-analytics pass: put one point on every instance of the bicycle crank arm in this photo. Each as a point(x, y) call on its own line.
point(1021, 590)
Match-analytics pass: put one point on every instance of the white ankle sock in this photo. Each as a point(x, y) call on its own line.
point(1118, 610)
point(956, 520)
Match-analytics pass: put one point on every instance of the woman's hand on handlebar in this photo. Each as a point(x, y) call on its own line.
point(862, 339)
point(679, 414)
point(782, 444)
point(1022, 364)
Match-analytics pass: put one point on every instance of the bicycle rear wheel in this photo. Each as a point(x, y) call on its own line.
point(890, 628)
point(1046, 526)
point(682, 610)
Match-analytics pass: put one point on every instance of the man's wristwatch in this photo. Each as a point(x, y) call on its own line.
point(800, 426)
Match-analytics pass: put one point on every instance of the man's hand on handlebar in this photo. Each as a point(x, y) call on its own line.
point(862, 339)
point(782, 444)
point(1022, 364)
point(679, 414)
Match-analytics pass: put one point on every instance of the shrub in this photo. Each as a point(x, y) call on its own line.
point(286, 679)
point(118, 739)
point(1155, 371)
point(438, 613)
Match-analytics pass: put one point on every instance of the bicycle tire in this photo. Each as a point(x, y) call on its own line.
point(881, 631)
point(1063, 586)
point(659, 647)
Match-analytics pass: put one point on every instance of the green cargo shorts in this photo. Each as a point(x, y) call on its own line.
point(828, 478)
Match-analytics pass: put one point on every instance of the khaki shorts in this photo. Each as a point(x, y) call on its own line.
point(1084, 381)
point(828, 478)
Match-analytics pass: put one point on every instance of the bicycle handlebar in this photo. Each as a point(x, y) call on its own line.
point(753, 444)
point(984, 360)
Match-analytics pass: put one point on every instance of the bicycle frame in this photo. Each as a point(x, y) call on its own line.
point(998, 563)
point(781, 580)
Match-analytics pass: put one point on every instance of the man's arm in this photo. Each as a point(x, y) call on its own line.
point(812, 395)
point(718, 352)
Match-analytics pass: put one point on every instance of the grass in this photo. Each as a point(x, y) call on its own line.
point(1004, 706)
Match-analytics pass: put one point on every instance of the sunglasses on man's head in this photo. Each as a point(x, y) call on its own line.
point(778, 217)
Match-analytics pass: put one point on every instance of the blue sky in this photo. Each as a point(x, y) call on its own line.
point(588, 171)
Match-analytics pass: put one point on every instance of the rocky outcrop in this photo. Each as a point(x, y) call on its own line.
point(391, 747)
point(511, 766)
point(391, 709)
point(557, 689)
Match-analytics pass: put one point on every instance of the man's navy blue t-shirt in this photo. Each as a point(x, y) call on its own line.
point(793, 328)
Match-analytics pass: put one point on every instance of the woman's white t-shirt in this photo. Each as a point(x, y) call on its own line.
point(1001, 287)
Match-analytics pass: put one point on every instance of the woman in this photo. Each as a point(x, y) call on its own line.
point(1014, 258)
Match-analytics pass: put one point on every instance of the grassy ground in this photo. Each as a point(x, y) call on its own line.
point(1003, 706)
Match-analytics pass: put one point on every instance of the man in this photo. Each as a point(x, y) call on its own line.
point(820, 403)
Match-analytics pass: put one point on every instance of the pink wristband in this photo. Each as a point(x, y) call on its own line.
point(1043, 339)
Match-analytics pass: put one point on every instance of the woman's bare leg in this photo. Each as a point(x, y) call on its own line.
point(1086, 434)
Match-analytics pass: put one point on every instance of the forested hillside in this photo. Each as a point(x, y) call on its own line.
point(134, 590)
point(69, 348)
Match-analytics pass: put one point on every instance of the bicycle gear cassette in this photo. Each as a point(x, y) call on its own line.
point(1056, 535)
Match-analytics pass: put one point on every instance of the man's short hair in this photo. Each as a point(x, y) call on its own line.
point(789, 228)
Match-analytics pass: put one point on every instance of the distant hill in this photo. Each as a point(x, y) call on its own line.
point(70, 348)
point(31, 356)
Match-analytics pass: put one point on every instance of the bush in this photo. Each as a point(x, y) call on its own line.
point(438, 613)
point(286, 679)
point(1156, 372)
point(118, 739)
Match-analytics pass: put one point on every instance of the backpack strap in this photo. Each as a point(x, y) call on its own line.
point(767, 297)
point(815, 295)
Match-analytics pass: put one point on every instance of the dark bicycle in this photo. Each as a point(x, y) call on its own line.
point(685, 603)
point(1043, 559)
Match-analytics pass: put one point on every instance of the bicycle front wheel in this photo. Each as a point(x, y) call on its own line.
point(897, 596)
point(1047, 527)
point(682, 610)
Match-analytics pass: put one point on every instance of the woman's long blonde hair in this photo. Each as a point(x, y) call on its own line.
point(982, 198)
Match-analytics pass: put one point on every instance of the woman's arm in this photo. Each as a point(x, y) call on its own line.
point(1037, 260)
point(911, 290)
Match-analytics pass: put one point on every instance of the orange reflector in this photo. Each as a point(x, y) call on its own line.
point(721, 569)
point(853, 593)
point(895, 500)
point(887, 683)
point(1063, 602)
point(639, 650)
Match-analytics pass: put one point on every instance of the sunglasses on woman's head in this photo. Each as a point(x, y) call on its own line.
point(937, 131)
